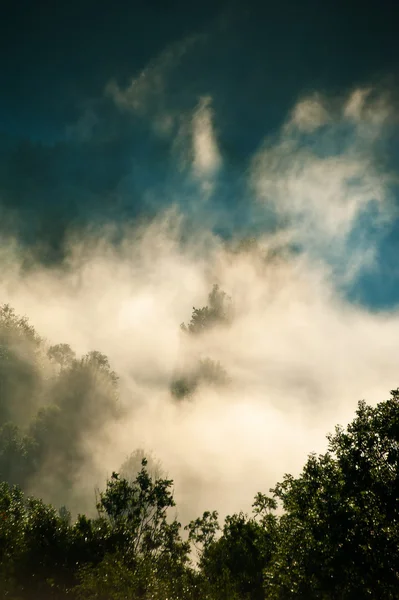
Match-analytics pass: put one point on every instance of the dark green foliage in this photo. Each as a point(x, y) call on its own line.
point(17, 455)
point(146, 554)
point(203, 531)
point(137, 512)
point(113, 579)
point(233, 564)
point(339, 534)
point(131, 547)
point(34, 544)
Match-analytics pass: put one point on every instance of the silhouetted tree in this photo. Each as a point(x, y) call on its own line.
point(339, 534)
point(217, 312)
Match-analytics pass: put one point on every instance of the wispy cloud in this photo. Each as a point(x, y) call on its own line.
point(190, 126)
point(147, 95)
point(367, 107)
point(207, 158)
point(309, 114)
point(321, 177)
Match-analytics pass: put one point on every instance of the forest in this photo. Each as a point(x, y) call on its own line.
point(331, 532)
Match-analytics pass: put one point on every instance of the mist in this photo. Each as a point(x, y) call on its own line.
point(298, 351)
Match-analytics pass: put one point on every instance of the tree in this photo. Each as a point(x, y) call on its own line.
point(81, 399)
point(61, 354)
point(113, 579)
point(21, 374)
point(233, 564)
point(146, 556)
point(34, 543)
point(217, 312)
point(137, 512)
point(17, 455)
point(203, 531)
point(132, 549)
point(46, 413)
point(133, 463)
point(339, 534)
point(206, 372)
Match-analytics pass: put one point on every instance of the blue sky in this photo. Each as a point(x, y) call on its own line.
point(99, 107)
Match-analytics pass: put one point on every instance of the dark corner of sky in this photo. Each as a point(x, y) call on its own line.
point(104, 107)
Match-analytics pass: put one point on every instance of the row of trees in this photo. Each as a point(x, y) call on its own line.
point(330, 533)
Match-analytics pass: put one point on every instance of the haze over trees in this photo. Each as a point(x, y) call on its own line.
point(332, 532)
point(218, 312)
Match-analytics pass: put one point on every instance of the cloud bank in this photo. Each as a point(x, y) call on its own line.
point(298, 353)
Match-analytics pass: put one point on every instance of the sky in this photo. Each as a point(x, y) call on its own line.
point(138, 144)
point(97, 100)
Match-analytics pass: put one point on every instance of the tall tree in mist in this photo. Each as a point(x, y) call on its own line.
point(21, 367)
point(50, 403)
point(131, 467)
point(218, 312)
point(82, 398)
point(18, 460)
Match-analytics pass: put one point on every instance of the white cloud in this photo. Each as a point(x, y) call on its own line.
point(309, 114)
point(323, 185)
point(206, 153)
point(326, 193)
point(356, 103)
point(148, 95)
point(369, 109)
